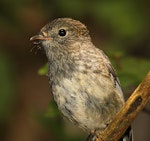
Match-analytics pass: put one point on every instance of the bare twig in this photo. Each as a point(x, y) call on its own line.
point(128, 113)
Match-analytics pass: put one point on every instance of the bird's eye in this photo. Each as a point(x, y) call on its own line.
point(62, 32)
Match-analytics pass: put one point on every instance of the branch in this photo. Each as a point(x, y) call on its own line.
point(128, 113)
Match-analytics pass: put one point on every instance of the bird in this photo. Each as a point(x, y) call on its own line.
point(82, 79)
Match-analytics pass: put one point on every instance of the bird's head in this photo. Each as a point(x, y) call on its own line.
point(61, 34)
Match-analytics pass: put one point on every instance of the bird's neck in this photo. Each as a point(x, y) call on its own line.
point(60, 66)
point(63, 62)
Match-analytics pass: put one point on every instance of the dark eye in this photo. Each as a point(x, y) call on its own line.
point(62, 32)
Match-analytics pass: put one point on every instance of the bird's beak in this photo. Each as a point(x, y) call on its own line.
point(37, 37)
point(40, 37)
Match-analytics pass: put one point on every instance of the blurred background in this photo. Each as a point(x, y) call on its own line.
point(27, 110)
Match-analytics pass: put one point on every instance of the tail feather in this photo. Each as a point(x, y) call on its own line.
point(128, 136)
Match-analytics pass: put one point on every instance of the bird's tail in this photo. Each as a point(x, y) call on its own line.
point(128, 136)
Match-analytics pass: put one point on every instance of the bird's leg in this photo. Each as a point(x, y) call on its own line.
point(93, 136)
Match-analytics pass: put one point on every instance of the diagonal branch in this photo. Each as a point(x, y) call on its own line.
point(128, 113)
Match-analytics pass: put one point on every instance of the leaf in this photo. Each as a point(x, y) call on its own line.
point(52, 110)
point(43, 70)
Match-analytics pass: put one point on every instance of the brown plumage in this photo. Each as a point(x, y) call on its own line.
point(82, 79)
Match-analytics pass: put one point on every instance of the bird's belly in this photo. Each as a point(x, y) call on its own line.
point(79, 109)
point(85, 103)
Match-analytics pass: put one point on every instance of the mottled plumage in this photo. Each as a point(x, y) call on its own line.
point(82, 79)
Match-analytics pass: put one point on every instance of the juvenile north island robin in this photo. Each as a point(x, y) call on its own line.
point(81, 77)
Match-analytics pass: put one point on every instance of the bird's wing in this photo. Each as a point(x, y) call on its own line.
point(111, 72)
point(128, 136)
point(114, 76)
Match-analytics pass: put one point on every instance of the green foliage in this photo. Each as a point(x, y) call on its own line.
point(133, 71)
point(52, 111)
point(7, 88)
point(122, 16)
point(130, 70)
point(75, 7)
point(43, 70)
